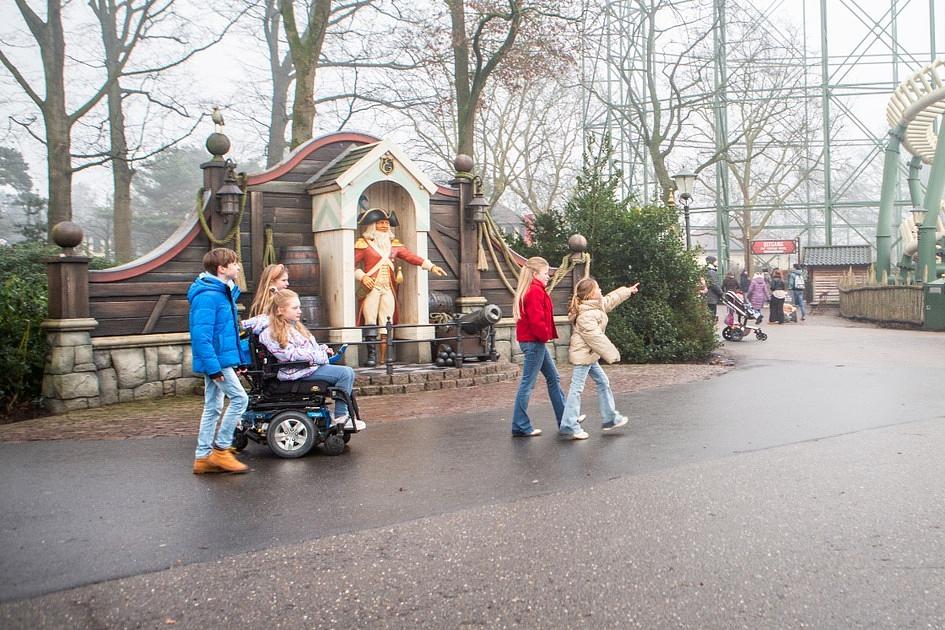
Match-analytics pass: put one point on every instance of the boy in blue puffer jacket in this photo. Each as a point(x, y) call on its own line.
point(214, 339)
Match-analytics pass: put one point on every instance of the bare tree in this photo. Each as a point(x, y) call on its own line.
point(770, 162)
point(50, 98)
point(172, 35)
point(519, 38)
point(665, 76)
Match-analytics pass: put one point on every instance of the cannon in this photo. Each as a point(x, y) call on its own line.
point(476, 321)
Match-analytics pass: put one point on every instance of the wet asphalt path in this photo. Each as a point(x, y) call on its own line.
point(82, 512)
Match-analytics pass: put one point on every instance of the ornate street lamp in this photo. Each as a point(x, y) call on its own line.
point(478, 206)
point(918, 215)
point(684, 183)
point(229, 193)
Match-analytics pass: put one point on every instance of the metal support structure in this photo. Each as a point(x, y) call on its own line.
point(883, 225)
point(915, 184)
point(720, 105)
point(884, 40)
point(933, 204)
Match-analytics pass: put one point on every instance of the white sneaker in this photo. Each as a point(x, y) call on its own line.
point(582, 418)
point(619, 422)
point(580, 435)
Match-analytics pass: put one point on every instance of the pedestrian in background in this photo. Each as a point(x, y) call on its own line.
point(758, 292)
point(712, 281)
point(589, 344)
point(534, 327)
point(797, 284)
point(744, 280)
point(778, 293)
point(729, 283)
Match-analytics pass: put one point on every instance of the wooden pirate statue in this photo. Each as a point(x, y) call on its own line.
point(375, 253)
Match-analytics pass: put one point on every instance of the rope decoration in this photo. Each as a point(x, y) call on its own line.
point(269, 250)
point(492, 235)
point(567, 265)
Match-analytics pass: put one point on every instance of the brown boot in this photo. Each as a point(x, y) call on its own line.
point(202, 465)
point(223, 458)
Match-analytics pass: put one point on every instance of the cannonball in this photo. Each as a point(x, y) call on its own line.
point(66, 234)
point(218, 144)
point(463, 163)
point(440, 362)
point(577, 243)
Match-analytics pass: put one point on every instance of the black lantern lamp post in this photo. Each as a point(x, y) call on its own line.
point(684, 183)
point(229, 193)
point(478, 206)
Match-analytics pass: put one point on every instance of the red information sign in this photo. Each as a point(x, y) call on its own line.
point(773, 247)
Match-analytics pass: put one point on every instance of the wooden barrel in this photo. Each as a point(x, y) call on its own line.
point(312, 315)
point(441, 303)
point(301, 261)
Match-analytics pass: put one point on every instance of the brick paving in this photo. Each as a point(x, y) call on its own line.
point(178, 416)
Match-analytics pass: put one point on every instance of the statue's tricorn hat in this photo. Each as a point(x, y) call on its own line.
point(377, 214)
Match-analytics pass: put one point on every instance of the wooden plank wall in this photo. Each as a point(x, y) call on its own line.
point(156, 301)
point(826, 282)
point(444, 235)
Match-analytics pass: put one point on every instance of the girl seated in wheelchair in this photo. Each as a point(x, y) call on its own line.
point(288, 340)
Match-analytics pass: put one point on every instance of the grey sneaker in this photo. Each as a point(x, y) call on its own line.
point(616, 424)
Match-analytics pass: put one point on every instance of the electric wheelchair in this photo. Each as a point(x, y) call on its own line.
point(291, 417)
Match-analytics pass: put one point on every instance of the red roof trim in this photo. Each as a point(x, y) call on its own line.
point(303, 151)
point(104, 275)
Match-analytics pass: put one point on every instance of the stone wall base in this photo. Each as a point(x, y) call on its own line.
point(82, 372)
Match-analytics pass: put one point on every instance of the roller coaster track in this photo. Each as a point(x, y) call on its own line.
point(916, 104)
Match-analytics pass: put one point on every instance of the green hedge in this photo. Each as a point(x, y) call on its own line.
point(631, 242)
point(23, 306)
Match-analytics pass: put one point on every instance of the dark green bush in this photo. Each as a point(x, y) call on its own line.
point(629, 242)
point(22, 309)
point(23, 303)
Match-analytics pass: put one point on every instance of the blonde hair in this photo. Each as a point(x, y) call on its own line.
point(266, 289)
point(532, 266)
point(582, 290)
point(278, 324)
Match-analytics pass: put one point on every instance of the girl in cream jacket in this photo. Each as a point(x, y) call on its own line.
point(589, 344)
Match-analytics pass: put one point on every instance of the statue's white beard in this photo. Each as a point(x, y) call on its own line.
point(383, 241)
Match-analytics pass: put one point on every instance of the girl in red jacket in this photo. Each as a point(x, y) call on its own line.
point(534, 327)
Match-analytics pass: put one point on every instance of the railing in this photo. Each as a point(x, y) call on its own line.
point(373, 340)
point(884, 304)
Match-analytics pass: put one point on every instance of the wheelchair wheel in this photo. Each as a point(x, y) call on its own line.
point(334, 444)
point(291, 434)
point(240, 440)
point(760, 335)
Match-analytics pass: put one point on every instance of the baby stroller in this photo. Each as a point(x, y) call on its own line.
point(291, 417)
point(742, 318)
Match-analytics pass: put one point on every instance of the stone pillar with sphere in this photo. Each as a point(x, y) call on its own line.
point(70, 380)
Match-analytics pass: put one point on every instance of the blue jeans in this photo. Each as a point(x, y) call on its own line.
point(213, 393)
point(340, 376)
point(605, 398)
point(798, 295)
point(537, 359)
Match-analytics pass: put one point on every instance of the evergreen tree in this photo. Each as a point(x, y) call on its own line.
point(630, 242)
